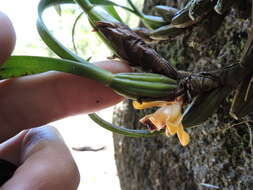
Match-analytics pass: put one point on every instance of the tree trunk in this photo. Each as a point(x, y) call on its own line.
point(220, 151)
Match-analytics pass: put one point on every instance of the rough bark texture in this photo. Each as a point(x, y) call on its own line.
point(220, 151)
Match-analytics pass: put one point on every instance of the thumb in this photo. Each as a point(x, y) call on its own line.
point(7, 37)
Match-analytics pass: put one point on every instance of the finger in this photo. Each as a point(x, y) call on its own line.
point(10, 149)
point(7, 37)
point(36, 100)
point(46, 163)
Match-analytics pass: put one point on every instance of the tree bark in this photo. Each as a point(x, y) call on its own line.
point(220, 151)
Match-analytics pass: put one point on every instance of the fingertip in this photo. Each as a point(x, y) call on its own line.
point(7, 37)
point(114, 66)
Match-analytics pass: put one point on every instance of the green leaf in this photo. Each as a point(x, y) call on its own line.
point(113, 12)
point(243, 100)
point(165, 32)
point(17, 66)
point(74, 30)
point(166, 12)
point(58, 9)
point(89, 58)
point(150, 21)
point(55, 45)
point(111, 3)
point(97, 13)
point(123, 130)
point(203, 106)
point(137, 11)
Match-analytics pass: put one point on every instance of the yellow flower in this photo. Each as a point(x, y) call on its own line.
point(169, 116)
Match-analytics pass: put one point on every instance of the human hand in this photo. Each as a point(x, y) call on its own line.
point(44, 161)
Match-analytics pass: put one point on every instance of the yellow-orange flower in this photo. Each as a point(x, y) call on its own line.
point(169, 116)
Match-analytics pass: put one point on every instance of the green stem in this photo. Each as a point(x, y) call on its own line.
point(85, 5)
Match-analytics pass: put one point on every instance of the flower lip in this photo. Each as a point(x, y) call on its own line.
point(150, 125)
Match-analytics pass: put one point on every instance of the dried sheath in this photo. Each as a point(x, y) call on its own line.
point(129, 46)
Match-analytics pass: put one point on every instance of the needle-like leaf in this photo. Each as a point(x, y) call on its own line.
point(122, 130)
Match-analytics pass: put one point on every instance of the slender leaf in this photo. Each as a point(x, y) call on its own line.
point(122, 130)
point(113, 12)
point(47, 37)
point(203, 106)
point(243, 100)
point(111, 3)
point(17, 66)
point(74, 30)
point(58, 9)
point(137, 11)
point(150, 21)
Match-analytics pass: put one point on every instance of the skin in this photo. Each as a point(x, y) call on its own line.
point(44, 160)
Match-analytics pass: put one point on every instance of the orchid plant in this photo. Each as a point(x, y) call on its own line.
point(181, 96)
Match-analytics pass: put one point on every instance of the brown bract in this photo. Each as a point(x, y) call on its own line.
point(129, 46)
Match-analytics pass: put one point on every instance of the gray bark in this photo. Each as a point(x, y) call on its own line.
point(220, 151)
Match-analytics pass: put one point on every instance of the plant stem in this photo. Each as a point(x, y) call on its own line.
point(85, 4)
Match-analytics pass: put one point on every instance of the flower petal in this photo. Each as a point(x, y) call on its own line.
point(171, 128)
point(150, 123)
point(145, 105)
point(184, 137)
point(157, 120)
